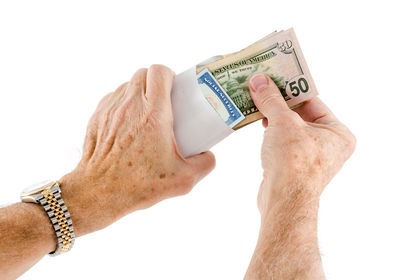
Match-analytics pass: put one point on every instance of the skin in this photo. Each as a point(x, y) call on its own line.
point(130, 157)
point(302, 151)
point(130, 161)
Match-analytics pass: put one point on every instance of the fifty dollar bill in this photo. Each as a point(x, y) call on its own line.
point(278, 55)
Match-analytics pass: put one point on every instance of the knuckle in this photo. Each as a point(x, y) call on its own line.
point(104, 101)
point(141, 71)
point(351, 142)
point(187, 183)
point(119, 116)
point(160, 69)
point(184, 190)
point(91, 129)
point(270, 99)
point(212, 160)
point(105, 98)
point(139, 74)
point(138, 80)
point(120, 88)
point(93, 119)
point(188, 180)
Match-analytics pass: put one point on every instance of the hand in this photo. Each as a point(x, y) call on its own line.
point(302, 150)
point(130, 160)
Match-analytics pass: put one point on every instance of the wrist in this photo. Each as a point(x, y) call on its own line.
point(92, 205)
point(288, 238)
point(288, 233)
point(73, 194)
point(37, 226)
point(289, 198)
point(290, 216)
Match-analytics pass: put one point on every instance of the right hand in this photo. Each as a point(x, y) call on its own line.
point(303, 149)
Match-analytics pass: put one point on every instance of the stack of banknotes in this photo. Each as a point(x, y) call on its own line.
point(224, 79)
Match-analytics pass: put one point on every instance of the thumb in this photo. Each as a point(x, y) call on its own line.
point(201, 164)
point(267, 97)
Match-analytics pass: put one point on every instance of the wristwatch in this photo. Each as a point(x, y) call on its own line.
point(48, 194)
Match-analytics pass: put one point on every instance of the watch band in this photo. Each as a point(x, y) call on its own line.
point(53, 204)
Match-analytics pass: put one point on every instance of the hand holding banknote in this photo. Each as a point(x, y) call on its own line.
point(302, 150)
point(131, 161)
point(212, 100)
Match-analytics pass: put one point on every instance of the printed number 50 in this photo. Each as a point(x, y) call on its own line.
point(299, 86)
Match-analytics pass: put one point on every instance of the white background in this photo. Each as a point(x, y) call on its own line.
point(57, 59)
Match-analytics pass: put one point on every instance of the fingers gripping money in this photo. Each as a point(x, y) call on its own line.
point(212, 100)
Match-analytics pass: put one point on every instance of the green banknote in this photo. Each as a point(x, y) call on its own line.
point(277, 55)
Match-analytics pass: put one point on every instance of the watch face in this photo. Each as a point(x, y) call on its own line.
point(36, 187)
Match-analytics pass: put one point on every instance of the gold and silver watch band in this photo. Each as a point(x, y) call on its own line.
point(53, 204)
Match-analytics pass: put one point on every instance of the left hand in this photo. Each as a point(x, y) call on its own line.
point(130, 159)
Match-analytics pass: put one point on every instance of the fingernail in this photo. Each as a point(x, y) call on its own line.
point(258, 82)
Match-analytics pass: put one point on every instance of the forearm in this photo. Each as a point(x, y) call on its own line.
point(288, 245)
point(26, 235)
